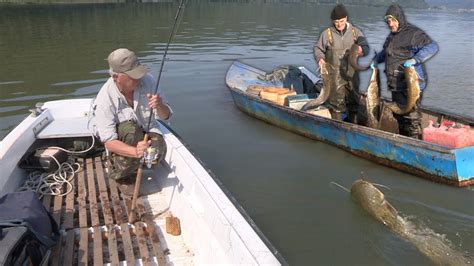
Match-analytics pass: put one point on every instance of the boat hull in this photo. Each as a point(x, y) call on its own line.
point(434, 162)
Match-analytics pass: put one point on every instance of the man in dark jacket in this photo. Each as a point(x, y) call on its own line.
point(405, 46)
point(331, 48)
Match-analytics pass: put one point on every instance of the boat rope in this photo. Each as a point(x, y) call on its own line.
point(59, 182)
point(75, 152)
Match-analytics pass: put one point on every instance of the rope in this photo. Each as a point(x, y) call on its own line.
point(58, 183)
point(74, 152)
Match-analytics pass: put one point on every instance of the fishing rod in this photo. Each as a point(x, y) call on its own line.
point(177, 19)
point(138, 181)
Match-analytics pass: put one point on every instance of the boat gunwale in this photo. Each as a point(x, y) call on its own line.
point(232, 199)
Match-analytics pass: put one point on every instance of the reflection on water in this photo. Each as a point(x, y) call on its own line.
point(282, 180)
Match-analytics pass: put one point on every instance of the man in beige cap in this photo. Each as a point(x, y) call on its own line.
point(121, 112)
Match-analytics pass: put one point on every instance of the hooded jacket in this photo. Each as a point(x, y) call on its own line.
point(409, 42)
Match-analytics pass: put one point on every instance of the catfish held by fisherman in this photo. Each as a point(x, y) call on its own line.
point(406, 46)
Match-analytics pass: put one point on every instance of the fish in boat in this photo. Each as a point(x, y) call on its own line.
point(413, 93)
point(373, 99)
point(328, 85)
point(353, 56)
point(432, 245)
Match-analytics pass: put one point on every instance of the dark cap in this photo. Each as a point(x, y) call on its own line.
point(339, 12)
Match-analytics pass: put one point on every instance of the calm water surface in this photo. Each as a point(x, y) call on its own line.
point(283, 180)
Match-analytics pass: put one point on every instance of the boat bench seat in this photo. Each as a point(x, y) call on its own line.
point(94, 223)
point(65, 127)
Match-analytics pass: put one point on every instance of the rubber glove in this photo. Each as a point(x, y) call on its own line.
point(372, 65)
point(409, 63)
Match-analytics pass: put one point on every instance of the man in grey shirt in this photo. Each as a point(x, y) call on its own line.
point(331, 48)
point(122, 110)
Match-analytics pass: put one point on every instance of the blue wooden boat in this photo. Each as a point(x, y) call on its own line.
point(418, 157)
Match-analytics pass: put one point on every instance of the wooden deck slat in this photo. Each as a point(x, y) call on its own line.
point(81, 198)
point(103, 195)
point(112, 245)
point(97, 247)
point(92, 193)
point(155, 241)
point(69, 211)
point(142, 245)
point(127, 244)
point(119, 210)
point(83, 252)
point(68, 248)
point(56, 252)
point(57, 209)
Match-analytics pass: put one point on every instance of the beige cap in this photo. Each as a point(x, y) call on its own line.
point(125, 61)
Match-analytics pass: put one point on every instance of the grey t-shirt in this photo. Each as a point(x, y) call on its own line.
point(111, 108)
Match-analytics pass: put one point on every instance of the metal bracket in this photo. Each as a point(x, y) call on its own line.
point(38, 109)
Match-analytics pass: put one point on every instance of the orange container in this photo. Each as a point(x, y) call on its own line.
point(449, 135)
point(276, 94)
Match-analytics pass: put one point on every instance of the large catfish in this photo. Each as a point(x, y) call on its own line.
point(432, 245)
point(373, 99)
point(413, 92)
point(353, 56)
point(329, 83)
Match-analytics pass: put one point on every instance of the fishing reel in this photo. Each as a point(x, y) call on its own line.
point(150, 156)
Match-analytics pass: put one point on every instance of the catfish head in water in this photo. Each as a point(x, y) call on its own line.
point(372, 200)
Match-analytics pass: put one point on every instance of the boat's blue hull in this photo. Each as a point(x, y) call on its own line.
point(453, 166)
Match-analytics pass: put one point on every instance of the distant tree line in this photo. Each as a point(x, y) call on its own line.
point(403, 3)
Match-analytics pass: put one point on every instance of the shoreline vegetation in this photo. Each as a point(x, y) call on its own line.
point(404, 3)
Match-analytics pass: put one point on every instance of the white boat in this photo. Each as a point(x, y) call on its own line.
point(214, 228)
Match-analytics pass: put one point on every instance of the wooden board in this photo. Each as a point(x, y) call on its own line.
point(94, 224)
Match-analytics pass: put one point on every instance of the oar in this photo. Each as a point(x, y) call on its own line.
point(138, 180)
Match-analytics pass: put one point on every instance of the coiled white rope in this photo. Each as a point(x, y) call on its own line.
point(58, 183)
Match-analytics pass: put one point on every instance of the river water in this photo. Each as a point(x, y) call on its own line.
point(283, 180)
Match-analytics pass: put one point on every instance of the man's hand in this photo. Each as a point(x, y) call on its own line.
point(409, 63)
point(154, 100)
point(141, 147)
point(321, 62)
point(359, 51)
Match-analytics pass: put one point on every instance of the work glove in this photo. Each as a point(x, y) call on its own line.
point(409, 63)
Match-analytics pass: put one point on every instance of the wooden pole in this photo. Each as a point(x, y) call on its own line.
point(136, 189)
